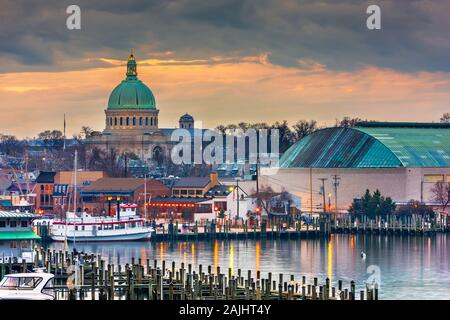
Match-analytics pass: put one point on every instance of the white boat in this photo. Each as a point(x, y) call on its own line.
point(83, 227)
point(27, 286)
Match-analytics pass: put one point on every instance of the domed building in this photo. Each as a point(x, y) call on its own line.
point(186, 121)
point(403, 161)
point(131, 120)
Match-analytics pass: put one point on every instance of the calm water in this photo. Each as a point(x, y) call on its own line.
point(409, 267)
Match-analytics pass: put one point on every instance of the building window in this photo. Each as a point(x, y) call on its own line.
point(13, 224)
point(2, 224)
point(183, 192)
point(199, 192)
point(433, 178)
point(115, 121)
point(128, 121)
point(134, 121)
point(151, 121)
point(146, 121)
point(220, 205)
point(24, 224)
point(191, 192)
point(176, 192)
point(121, 121)
point(140, 121)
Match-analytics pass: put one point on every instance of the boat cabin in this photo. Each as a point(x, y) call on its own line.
point(27, 286)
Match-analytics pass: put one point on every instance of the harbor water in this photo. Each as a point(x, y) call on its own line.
point(406, 267)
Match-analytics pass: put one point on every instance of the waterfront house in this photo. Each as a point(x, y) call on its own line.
point(54, 189)
point(102, 195)
point(194, 186)
point(16, 236)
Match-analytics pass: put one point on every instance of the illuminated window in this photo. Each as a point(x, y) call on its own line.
point(433, 178)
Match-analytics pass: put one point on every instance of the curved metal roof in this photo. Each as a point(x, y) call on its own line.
point(371, 147)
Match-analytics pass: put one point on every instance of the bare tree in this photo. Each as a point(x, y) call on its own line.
point(86, 131)
point(264, 195)
point(303, 128)
point(441, 194)
point(348, 122)
point(445, 118)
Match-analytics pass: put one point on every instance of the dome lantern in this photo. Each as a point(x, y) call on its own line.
point(131, 93)
point(131, 67)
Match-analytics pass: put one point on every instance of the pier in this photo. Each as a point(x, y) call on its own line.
point(88, 277)
point(316, 228)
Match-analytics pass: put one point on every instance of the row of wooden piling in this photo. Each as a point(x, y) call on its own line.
point(412, 225)
point(88, 276)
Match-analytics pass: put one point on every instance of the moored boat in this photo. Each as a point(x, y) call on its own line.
point(126, 225)
point(27, 286)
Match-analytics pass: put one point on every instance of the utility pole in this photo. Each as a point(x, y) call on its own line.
point(237, 194)
point(145, 196)
point(336, 181)
point(323, 194)
point(310, 191)
point(257, 175)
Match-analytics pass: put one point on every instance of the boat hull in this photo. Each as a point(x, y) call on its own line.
point(104, 238)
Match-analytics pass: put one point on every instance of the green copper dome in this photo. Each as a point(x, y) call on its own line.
point(131, 93)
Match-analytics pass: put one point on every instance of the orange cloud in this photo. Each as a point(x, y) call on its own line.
point(222, 90)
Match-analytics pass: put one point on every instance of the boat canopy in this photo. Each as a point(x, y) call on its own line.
point(18, 235)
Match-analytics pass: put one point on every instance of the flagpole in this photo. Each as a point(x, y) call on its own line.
point(64, 146)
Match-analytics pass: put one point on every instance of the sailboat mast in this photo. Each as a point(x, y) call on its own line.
point(145, 197)
point(75, 182)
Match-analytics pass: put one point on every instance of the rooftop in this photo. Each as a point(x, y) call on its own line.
point(192, 182)
point(219, 191)
point(105, 185)
point(17, 215)
point(46, 177)
point(373, 145)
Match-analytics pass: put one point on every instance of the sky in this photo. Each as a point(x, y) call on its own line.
point(224, 61)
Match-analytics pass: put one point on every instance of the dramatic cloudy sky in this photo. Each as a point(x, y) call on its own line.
point(224, 61)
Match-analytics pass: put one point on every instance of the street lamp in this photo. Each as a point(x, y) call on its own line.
point(118, 208)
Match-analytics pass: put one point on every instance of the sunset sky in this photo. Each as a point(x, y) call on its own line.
point(224, 61)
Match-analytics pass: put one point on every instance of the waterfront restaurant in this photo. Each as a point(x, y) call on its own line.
point(103, 194)
point(16, 236)
point(181, 209)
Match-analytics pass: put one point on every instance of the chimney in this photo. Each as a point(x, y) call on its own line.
point(214, 179)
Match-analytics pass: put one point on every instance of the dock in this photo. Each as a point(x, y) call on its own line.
point(88, 277)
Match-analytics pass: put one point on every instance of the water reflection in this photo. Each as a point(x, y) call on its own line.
point(411, 267)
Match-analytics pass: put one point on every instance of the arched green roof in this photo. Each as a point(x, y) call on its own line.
point(131, 93)
point(371, 147)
